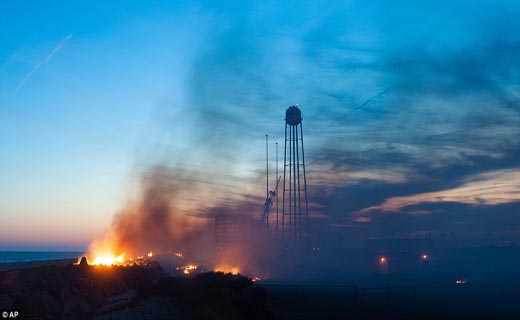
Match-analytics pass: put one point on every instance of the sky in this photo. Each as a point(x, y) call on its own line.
point(411, 113)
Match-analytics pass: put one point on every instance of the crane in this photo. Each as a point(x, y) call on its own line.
point(269, 200)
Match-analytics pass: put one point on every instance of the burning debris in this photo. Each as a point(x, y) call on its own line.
point(108, 259)
point(187, 269)
point(84, 291)
point(155, 226)
point(227, 269)
point(154, 222)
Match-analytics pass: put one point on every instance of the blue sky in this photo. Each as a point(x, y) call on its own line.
point(408, 108)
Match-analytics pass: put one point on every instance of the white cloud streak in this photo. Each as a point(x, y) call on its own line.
point(489, 188)
point(42, 63)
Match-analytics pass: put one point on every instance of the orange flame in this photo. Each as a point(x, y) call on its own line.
point(105, 253)
point(187, 269)
point(108, 259)
point(227, 269)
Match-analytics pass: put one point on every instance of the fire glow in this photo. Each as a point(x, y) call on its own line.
point(108, 259)
point(106, 254)
point(187, 269)
point(155, 218)
point(227, 269)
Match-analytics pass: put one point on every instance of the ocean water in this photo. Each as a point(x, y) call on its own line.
point(21, 256)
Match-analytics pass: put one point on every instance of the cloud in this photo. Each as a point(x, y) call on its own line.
point(386, 112)
point(330, 176)
point(489, 188)
point(42, 63)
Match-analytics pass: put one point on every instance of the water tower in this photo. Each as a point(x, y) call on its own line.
point(295, 206)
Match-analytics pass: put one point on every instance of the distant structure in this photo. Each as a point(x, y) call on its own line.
point(229, 227)
point(271, 195)
point(223, 227)
point(264, 215)
point(295, 207)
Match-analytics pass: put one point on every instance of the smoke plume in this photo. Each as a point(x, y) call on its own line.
point(154, 221)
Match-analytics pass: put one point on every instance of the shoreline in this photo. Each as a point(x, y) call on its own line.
point(8, 266)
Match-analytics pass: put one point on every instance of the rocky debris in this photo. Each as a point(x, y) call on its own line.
point(6, 302)
point(118, 302)
point(149, 308)
point(8, 279)
point(83, 264)
point(74, 292)
point(215, 295)
point(132, 292)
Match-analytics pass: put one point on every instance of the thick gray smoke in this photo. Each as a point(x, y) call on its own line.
point(154, 220)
